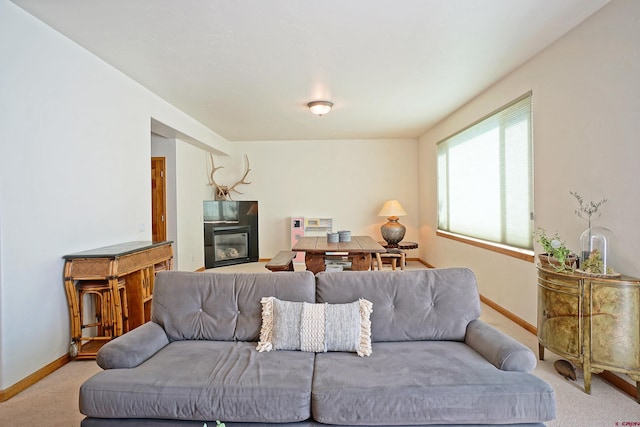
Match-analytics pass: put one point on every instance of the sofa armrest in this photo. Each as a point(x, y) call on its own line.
point(133, 348)
point(501, 350)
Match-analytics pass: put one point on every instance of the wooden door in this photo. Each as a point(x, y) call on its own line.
point(158, 199)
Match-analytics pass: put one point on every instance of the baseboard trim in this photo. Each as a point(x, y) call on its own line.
point(509, 315)
point(425, 263)
point(27, 382)
point(620, 384)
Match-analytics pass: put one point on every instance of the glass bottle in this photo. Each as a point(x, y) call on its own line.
point(595, 243)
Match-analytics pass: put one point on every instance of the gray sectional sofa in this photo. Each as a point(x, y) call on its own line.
point(432, 361)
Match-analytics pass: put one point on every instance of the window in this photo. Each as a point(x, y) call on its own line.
point(485, 178)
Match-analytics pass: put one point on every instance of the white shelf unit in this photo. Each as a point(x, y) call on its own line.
point(318, 226)
point(304, 226)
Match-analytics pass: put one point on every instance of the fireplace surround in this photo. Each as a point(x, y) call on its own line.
point(230, 232)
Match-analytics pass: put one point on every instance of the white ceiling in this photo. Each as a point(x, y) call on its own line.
point(247, 68)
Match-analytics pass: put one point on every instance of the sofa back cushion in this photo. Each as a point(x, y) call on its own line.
point(222, 306)
point(434, 304)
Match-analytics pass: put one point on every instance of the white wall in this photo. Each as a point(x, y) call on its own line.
point(166, 147)
point(74, 174)
point(291, 178)
point(186, 180)
point(344, 180)
point(192, 189)
point(586, 107)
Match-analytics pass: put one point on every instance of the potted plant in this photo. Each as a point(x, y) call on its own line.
point(587, 210)
point(556, 255)
point(595, 242)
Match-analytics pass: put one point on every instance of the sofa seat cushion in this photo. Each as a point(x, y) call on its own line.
point(424, 382)
point(206, 380)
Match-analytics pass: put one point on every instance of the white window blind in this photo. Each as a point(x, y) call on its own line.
point(485, 178)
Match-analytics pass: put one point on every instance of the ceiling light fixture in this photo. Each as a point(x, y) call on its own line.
point(320, 108)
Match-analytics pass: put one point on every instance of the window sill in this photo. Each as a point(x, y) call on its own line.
point(522, 254)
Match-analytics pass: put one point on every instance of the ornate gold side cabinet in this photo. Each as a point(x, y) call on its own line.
point(591, 321)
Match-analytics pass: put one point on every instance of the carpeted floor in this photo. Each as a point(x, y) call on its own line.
point(53, 401)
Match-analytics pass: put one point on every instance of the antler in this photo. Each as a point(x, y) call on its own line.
point(212, 182)
point(223, 192)
point(242, 180)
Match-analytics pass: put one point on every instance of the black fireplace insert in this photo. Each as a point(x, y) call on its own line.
point(230, 232)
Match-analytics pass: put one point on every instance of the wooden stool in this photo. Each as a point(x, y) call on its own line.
point(105, 314)
point(393, 255)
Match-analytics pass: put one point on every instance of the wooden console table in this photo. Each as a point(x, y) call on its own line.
point(591, 321)
point(134, 262)
point(358, 251)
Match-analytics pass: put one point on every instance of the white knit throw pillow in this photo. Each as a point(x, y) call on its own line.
point(316, 328)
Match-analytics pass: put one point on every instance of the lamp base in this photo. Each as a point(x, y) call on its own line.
point(393, 232)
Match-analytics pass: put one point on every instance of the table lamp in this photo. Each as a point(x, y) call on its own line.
point(392, 231)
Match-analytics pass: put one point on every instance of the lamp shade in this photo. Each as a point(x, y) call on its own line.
point(392, 208)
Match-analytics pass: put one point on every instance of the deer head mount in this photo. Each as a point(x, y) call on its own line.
point(223, 192)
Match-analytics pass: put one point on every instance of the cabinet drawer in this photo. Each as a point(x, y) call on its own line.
point(564, 282)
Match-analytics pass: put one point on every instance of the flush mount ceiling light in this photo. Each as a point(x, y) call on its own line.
point(320, 108)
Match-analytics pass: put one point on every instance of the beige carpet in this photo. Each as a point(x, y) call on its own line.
point(53, 401)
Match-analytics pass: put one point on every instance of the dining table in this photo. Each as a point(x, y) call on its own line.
point(356, 252)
